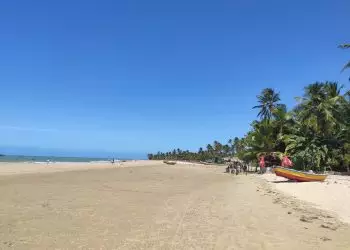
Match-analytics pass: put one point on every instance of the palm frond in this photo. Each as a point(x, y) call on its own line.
point(258, 106)
point(346, 66)
point(344, 46)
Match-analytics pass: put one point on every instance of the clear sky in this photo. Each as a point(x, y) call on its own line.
point(139, 76)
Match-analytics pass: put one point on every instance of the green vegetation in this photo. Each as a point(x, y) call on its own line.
point(214, 153)
point(315, 133)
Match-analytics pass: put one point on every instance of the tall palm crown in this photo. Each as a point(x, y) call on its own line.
point(268, 100)
point(209, 148)
point(319, 107)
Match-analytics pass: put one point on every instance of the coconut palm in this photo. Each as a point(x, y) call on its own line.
point(217, 147)
point(306, 147)
point(316, 133)
point(209, 148)
point(235, 145)
point(318, 107)
point(268, 100)
point(226, 149)
point(230, 144)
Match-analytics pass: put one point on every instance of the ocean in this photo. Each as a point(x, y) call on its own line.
point(24, 158)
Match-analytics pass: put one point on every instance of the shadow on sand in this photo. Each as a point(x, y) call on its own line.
point(286, 181)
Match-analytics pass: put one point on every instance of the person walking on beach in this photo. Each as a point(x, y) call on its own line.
point(262, 164)
point(245, 168)
point(238, 168)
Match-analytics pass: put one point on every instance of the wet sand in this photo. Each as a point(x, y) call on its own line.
point(158, 207)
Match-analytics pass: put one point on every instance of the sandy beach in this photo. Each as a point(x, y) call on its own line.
point(150, 205)
point(52, 167)
point(332, 195)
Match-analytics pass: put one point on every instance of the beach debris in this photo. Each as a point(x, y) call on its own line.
point(308, 219)
point(170, 162)
point(324, 238)
point(330, 226)
point(277, 200)
point(46, 204)
point(8, 243)
point(304, 219)
point(289, 212)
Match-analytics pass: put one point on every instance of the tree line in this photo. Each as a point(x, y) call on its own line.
point(214, 152)
point(315, 133)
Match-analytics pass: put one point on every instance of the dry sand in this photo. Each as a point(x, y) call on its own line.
point(42, 167)
point(158, 207)
point(332, 195)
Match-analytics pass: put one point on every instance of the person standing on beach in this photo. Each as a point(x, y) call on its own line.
point(262, 164)
point(286, 162)
point(245, 168)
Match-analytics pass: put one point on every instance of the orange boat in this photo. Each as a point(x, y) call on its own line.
point(296, 175)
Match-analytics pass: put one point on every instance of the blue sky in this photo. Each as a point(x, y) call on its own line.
point(130, 77)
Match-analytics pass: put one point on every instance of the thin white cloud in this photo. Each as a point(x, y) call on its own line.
point(18, 128)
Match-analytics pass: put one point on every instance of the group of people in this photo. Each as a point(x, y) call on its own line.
point(237, 167)
point(273, 160)
point(115, 161)
point(270, 160)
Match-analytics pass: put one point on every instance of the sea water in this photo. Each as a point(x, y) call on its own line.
point(24, 158)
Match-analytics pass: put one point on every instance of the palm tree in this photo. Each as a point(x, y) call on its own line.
point(318, 107)
point(282, 119)
point(306, 146)
point(268, 100)
point(231, 145)
point(210, 149)
point(226, 149)
point(263, 137)
point(235, 145)
point(217, 147)
point(282, 124)
point(345, 46)
point(200, 150)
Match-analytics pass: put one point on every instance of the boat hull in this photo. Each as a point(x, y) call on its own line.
point(295, 175)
